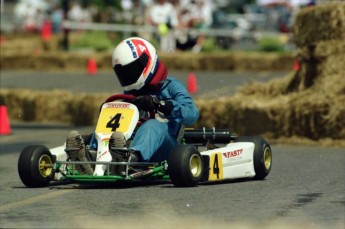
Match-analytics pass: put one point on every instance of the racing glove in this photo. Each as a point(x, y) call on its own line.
point(144, 102)
point(152, 103)
point(165, 107)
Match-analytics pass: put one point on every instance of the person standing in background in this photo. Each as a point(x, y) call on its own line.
point(164, 17)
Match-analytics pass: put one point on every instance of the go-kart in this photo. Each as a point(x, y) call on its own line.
point(202, 155)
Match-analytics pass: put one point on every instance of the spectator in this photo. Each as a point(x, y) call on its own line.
point(164, 16)
point(79, 14)
point(197, 15)
point(57, 17)
point(184, 40)
point(30, 14)
point(19, 13)
point(31, 19)
point(201, 13)
point(127, 7)
point(201, 16)
point(178, 6)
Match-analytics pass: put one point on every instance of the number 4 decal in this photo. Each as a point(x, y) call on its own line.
point(216, 167)
point(142, 47)
point(114, 123)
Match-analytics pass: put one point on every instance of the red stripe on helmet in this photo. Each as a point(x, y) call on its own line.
point(141, 47)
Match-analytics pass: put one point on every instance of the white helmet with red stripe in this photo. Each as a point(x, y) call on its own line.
point(134, 62)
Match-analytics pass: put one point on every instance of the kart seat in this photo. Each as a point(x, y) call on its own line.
point(180, 134)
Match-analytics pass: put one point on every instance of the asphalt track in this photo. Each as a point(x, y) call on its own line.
point(305, 188)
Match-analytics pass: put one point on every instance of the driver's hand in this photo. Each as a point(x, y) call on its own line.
point(144, 102)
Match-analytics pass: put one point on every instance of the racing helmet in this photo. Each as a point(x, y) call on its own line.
point(135, 63)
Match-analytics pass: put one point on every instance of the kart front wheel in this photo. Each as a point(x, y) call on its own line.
point(262, 155)
point(35, 166)
point(185, 166)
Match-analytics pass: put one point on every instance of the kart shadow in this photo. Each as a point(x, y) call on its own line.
point(138, 183)
point(106, 185)
point(63, 185)
point(239, 180)
point(51, 185)
point(211, 183)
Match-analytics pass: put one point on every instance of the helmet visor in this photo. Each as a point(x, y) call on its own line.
point(129, 74)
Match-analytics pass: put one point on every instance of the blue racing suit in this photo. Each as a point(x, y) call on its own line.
point(155, 139)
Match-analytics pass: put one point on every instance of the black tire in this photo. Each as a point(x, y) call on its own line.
point(185, 166)
point(262, 155)
point(30, 166)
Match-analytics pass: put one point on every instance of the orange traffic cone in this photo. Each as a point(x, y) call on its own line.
point(192, 85)
point(4, 121)
point(92, 66)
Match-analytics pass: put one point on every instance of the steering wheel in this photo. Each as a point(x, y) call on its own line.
point(127, 98)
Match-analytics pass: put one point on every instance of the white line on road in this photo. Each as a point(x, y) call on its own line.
point(31, 200)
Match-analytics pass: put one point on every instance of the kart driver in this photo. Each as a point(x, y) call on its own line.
point(142, 74)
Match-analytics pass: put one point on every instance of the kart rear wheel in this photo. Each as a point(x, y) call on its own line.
point(35, 166)
point(262, 155)
point(185, 166)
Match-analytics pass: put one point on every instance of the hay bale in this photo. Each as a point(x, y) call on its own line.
point(306, 114)
point(33, 60)
point(52, 106)
point(317, 63)
point(319, 23)
point(85, 109)
point(27, 105)
point(181, 61)
point(328, 48)
point(20, 104)
point(228, 61)
point(314, 116)
point(244, 115)
point(273, 88)
point(28, 44)
point(315, 112)
point(262, 62)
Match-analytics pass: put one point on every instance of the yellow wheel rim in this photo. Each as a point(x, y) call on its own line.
point(267, 158)
point(195, 165)
point(45, 167)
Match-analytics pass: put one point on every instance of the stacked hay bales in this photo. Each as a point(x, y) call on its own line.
point(57, 61)
point(309, 102)
point(52, 106)
point(233, 61)
point(320, 36)
point(28, 44)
